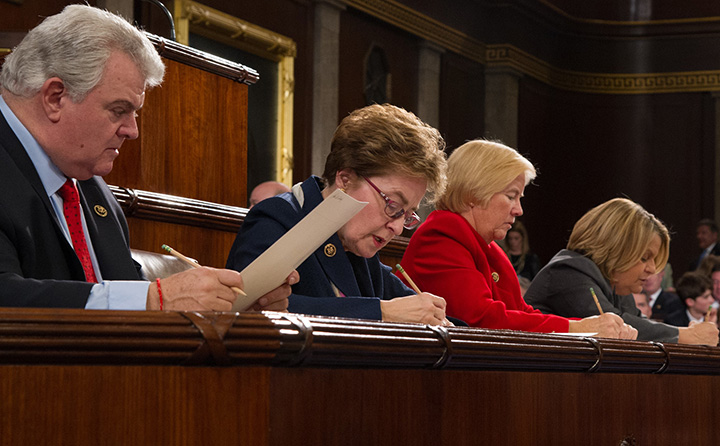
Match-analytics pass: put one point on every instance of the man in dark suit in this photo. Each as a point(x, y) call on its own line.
point(661, 302)
point(706, 232)
point(69, 96)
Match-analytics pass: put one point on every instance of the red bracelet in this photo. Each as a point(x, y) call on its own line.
point(157, 281)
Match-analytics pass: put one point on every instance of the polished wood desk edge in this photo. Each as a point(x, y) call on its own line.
point(202, 60)
point(79, 337)
point(205, 214)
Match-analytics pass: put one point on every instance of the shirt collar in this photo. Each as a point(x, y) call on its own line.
point(692, 318)
point(653, 297)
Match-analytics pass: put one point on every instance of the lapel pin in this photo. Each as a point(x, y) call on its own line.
point(495, 276)
point(100, 210)
point(330, 250)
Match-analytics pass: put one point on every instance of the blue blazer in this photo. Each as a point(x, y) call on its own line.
point(363, 281)
point(38, 266)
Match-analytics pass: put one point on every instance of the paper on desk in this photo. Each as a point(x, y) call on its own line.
point(272, 267)
point(581, 335)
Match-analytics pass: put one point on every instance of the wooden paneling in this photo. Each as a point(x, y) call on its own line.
point(30, 13)
point(294, 19)
point(208, 247)
point(151, 405)
point(75, 405)
point(193, 139)
point(461, 100)
point(358, 32)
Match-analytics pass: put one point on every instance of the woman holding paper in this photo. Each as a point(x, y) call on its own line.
point(613, 248)
point(382, 155)
point(454, 253)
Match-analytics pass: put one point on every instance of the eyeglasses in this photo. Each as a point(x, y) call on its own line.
point(394, 210)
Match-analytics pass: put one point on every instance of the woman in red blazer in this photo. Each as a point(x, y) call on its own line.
point(454, 254)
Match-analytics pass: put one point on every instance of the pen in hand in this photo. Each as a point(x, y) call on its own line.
point(196, 265)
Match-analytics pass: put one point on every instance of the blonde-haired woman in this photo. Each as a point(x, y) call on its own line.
point(454, 254)
point(613, 248)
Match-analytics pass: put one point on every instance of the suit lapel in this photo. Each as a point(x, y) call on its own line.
point(330, 254)
point(337, 267)
point(109, 244)
point(17, 152)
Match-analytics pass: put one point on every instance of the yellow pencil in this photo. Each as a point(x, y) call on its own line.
point(597, 302)
point(196, 265)
point(417, 290)
point(409, 280)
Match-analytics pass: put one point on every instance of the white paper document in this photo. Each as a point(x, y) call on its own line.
point(579, 335)
point(272, 267)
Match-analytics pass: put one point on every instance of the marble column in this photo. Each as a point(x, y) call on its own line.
point(501, 104)
point(428, 102)
point(325, 79)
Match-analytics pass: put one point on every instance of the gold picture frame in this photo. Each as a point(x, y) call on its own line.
point(191, 16)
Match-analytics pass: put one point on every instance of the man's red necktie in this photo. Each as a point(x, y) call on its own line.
point(71, 208)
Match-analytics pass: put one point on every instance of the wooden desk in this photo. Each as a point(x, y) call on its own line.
point(163, 378)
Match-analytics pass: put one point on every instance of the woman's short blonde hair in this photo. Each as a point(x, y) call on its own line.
point(479, 169)
point(385, 139)
point(616, 234)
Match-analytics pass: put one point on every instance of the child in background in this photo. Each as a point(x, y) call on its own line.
point(695, 291)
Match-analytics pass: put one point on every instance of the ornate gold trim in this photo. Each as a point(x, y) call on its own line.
point(423, 26)
point(191, 16)
point(504, 55)
point(607, 83)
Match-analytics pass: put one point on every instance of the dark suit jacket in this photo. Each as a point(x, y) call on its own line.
point(363, 281)
point(38, 267)
point(665, 304)
point(678, 318)
point(714, 252)
point(562, 287)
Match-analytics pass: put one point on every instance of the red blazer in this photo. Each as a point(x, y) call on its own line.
point(447, 257)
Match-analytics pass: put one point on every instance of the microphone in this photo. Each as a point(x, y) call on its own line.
point(167, 14)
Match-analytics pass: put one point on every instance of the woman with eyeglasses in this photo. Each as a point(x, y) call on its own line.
point(380, 154)
point(454, 254)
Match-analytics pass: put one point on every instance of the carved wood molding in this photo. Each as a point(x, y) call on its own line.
point(204, 61)
point(68, 337)
point(180, 210)
point(423, 26)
